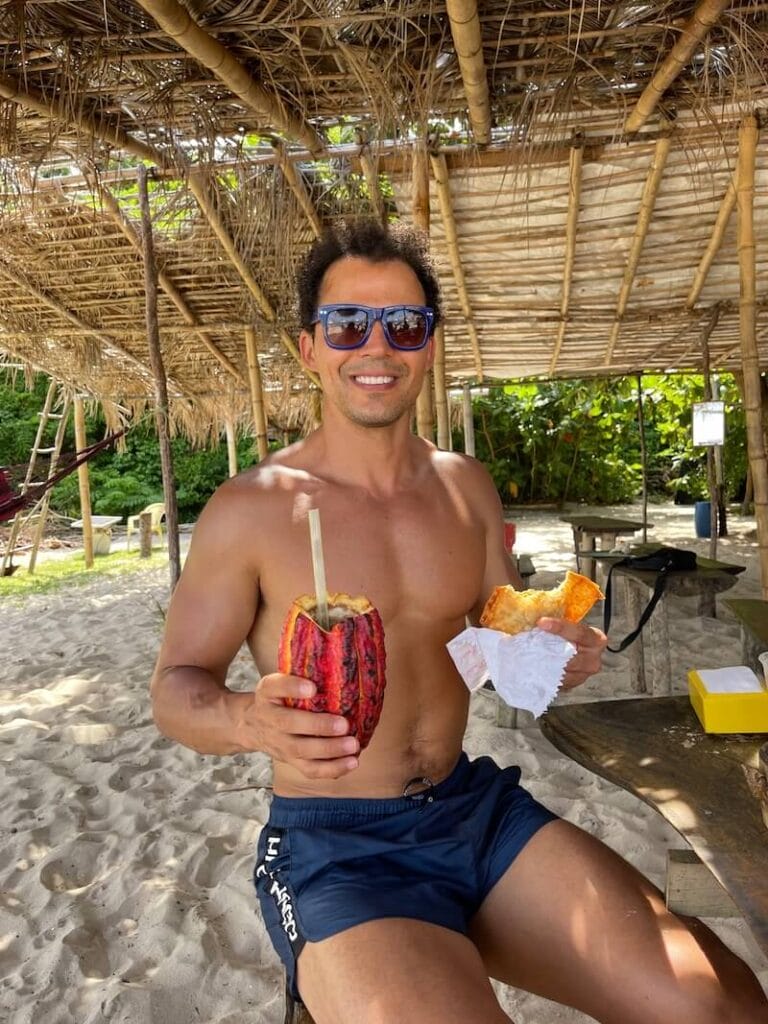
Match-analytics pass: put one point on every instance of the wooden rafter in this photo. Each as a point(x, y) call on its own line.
point(691, 34)
point(176, 21)
point(468, 41)
point(647, 203)
point(198, 188)
point(297, 186)
point(440, 174)
point(715, 241)
point(574, 202)
point(89, 125)
point(112, 208)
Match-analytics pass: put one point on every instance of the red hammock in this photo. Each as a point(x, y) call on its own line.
point(11, 503)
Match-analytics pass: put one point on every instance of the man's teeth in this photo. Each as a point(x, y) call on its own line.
point(374, 380)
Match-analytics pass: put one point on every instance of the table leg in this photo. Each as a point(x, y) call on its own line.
point(707, 605)
point(585, 544)
point(661, 661)
point(634, 592)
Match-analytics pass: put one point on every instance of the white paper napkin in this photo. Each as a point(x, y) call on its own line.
point(526, 669)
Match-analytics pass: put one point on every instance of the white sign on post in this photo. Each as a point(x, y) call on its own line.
point(708, 423)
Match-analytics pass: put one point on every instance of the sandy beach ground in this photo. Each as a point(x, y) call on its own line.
point(126, 860)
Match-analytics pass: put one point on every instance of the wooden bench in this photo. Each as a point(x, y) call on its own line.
point(655, 748)
point(752, 615)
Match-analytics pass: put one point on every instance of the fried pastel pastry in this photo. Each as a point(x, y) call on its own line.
point(513, 611)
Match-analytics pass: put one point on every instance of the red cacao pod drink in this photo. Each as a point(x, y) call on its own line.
point(347, 661)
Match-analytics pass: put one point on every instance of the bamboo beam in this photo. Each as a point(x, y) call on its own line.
point(161, 389)
point(572, 222)
point(440, 174)
point(420, 209)
point(647, 203)
point(691, 34)
point(66, 113)
point(131, 234)
point(715, 241)
point(297, 186)
point(257, 394)
point(83, 483)
point(468, 42)
point(176, 22)
point(750, 361)
point(211, 214)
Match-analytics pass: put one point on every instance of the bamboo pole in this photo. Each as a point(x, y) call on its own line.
point(257, 394)
point(132, 236)
point(750, 361)
point(643, 453)
point(370, 168)
point(161, 390)
point(441, 394)
point(715, 241)
point(647, 203)
point(420, 208)
point(297, 186)
point(468, 43)
point(198, 189)
point(714, 507)
point(83, 483)
point(229, 428)
point(440, 174)
point(691, 34)
point(64, 113)
point(575, 162)
point(469, 422)
point(177, 22)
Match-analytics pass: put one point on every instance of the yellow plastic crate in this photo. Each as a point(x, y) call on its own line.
point(728, 712)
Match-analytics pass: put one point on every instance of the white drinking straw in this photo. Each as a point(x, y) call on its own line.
point(318, 568)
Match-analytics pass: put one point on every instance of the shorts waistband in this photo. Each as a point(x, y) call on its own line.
point(314, 812)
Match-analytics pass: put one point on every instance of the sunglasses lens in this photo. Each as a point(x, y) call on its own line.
point(406, 327)
point(345, 327)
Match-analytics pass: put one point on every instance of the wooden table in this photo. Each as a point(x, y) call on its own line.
point(651, 650)
point(588, 530)
point(655, 748)
point(102, 532)
point(752, 614)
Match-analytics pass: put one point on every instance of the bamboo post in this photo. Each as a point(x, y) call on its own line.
point(161, 389)
point(745, 198)
point(145, 535)
point(441, 394)
point(643, 453)
point(370, 168)
point(229, 428)
point(691, 34)
point(257, 394)
point(420, 209)
point(706, 331)
point(575, 162)
point(83, 482)
point(469, 423)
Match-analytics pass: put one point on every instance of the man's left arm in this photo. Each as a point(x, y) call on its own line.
point(500, 569)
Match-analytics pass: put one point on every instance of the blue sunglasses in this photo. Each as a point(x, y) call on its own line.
point(346, 326)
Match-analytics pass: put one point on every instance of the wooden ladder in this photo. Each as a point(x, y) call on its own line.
point(40, 508)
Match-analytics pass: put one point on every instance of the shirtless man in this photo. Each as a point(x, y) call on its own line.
point(396, 880)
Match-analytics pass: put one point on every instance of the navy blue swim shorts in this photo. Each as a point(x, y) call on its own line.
point(324, 865)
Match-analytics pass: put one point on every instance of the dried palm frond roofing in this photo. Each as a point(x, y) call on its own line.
point(581, 181)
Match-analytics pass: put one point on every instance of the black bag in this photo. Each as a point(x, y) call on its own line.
point(663, 561)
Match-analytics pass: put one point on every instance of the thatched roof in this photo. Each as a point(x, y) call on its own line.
point(581, 197)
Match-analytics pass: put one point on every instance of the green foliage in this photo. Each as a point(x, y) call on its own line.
point(54, 573)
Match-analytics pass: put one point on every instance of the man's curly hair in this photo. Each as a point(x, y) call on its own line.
point(369, 240)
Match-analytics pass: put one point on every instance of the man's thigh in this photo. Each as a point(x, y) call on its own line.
point(396, 970)
point(572, 921)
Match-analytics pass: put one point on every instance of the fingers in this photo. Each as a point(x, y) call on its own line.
point(590, 644)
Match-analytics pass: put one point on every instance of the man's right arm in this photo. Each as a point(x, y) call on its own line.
point(211, 613)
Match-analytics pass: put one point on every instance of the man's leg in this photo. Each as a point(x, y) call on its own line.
point(396, 971)
point(572, 921)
